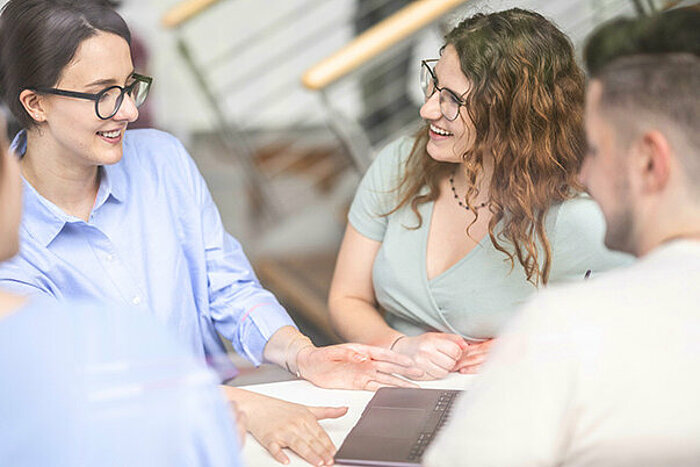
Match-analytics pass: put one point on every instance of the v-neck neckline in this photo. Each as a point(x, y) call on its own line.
point(424, 250)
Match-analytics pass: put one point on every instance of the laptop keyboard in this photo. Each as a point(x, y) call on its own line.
point(442, 408)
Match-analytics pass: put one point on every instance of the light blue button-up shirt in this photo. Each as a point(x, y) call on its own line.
point(155, 242)
point(86, 384)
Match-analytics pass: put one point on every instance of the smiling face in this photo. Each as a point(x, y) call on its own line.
point(448, 139)
point(605, 175)
point(70, 125)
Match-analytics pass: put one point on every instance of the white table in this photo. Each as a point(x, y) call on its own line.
point(303, 392)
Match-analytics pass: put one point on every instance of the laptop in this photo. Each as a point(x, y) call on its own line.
point(396, 427)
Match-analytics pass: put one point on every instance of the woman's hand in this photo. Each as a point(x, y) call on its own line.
point(355, 366)
point(473, 357)
point(436, 353)
point(278, 424)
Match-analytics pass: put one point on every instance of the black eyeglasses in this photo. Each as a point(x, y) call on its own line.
point(109, 100)
point(450, 101)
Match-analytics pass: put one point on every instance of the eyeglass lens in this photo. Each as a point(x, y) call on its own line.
point(111, 99)
point(449, 107)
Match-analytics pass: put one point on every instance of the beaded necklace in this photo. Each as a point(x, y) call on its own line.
point(459, 200)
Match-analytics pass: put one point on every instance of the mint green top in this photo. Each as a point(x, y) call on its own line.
point(477, 295)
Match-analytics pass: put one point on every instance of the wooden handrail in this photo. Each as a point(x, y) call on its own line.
point(184, 11)
point(376, 40)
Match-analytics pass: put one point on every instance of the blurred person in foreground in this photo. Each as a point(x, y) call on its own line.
point(606, 373)
point(125, 216)
point(85, 383)
point(453, 229)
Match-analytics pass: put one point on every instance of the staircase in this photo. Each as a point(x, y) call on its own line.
point(303, 143)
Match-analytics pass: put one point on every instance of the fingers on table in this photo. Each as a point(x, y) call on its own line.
point(343, 353)
point(438, 359)
point(436, 365)
point(374, 385)
point(386, 355)
point(312, 449)
point(470, 366)
point(327, 412)
point(383, 379)
point(390, 368)
point(477, 356)
point(436, 372)
point(306, 438)
point(275, 449)
point(438, 355)
point(313, 444)
point(471, 363)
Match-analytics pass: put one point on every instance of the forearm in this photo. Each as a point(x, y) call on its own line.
point(356, 320)
point(284, 346)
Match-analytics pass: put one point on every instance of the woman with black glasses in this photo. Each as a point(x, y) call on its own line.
point(452, 229)
point(86, 383)
point(125, 216)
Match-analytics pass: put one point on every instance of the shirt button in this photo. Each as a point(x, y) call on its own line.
point(136, 300)
point(110, 258)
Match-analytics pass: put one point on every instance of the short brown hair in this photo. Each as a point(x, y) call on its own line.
point(673, 31)
point(649, 71)
point(660, 90)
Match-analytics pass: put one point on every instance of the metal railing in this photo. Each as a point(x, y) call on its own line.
point(248, 109)
point(360, 91)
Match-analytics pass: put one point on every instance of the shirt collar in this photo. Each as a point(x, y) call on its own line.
point(42, 218)
point(112, 183)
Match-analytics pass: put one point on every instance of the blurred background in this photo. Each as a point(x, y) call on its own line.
point(284, 103)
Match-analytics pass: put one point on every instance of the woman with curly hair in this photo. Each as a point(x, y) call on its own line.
point(454, 228)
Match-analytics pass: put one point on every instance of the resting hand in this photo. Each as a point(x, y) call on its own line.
point(278, 424)
point(355, 366)
point(436, 353)
point(473, 357)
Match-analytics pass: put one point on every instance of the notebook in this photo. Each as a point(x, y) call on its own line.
point(396, 427)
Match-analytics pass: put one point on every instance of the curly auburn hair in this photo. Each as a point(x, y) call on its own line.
point(526, 106)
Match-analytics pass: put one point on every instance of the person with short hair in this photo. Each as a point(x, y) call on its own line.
point(606, 372)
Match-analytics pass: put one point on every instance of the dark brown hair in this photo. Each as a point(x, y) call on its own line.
point(673, 31)
point(649, 67)
point(661, 91)
point(526, 105)
point(38, 38)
